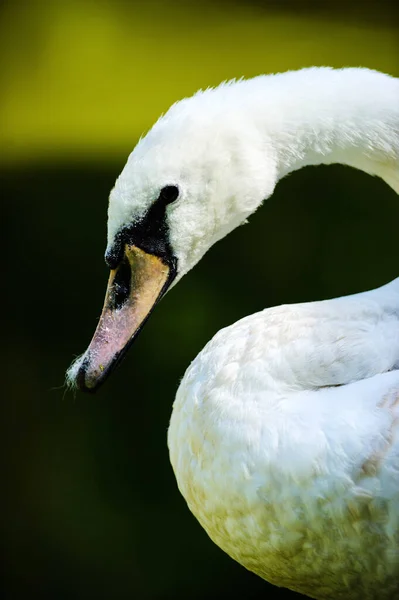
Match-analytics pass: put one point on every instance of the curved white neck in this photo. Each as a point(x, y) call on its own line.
point(229, 146)
point(348, 116)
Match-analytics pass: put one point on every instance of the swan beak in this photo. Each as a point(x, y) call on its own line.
point(134, 288)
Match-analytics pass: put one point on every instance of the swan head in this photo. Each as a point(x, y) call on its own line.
point(214, 155)
point(198, 173)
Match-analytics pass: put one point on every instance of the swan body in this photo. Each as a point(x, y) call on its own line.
point(284, 435)
point(284, 442)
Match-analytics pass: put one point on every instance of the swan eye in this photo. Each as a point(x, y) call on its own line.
point(169, 193)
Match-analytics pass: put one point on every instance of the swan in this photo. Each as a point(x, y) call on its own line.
point(284, 432)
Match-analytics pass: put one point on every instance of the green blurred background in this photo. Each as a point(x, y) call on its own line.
point(90, 504)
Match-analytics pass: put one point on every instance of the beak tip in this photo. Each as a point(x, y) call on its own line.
point(78, 375)
point(86, 380)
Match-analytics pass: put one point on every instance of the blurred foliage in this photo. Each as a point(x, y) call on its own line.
point(87, 78)
point(92, 509)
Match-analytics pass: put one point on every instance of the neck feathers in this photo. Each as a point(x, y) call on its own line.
point(348, 116)
point(324, 116)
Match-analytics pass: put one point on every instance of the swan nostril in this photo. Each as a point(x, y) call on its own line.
point(121, 285)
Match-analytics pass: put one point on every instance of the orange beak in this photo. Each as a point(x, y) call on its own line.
point(134, 288)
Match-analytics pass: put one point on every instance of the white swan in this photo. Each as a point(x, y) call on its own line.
point(284, 433)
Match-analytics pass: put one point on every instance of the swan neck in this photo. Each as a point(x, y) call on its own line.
point(325, 116)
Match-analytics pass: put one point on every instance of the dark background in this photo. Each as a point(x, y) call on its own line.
point(90, 504)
